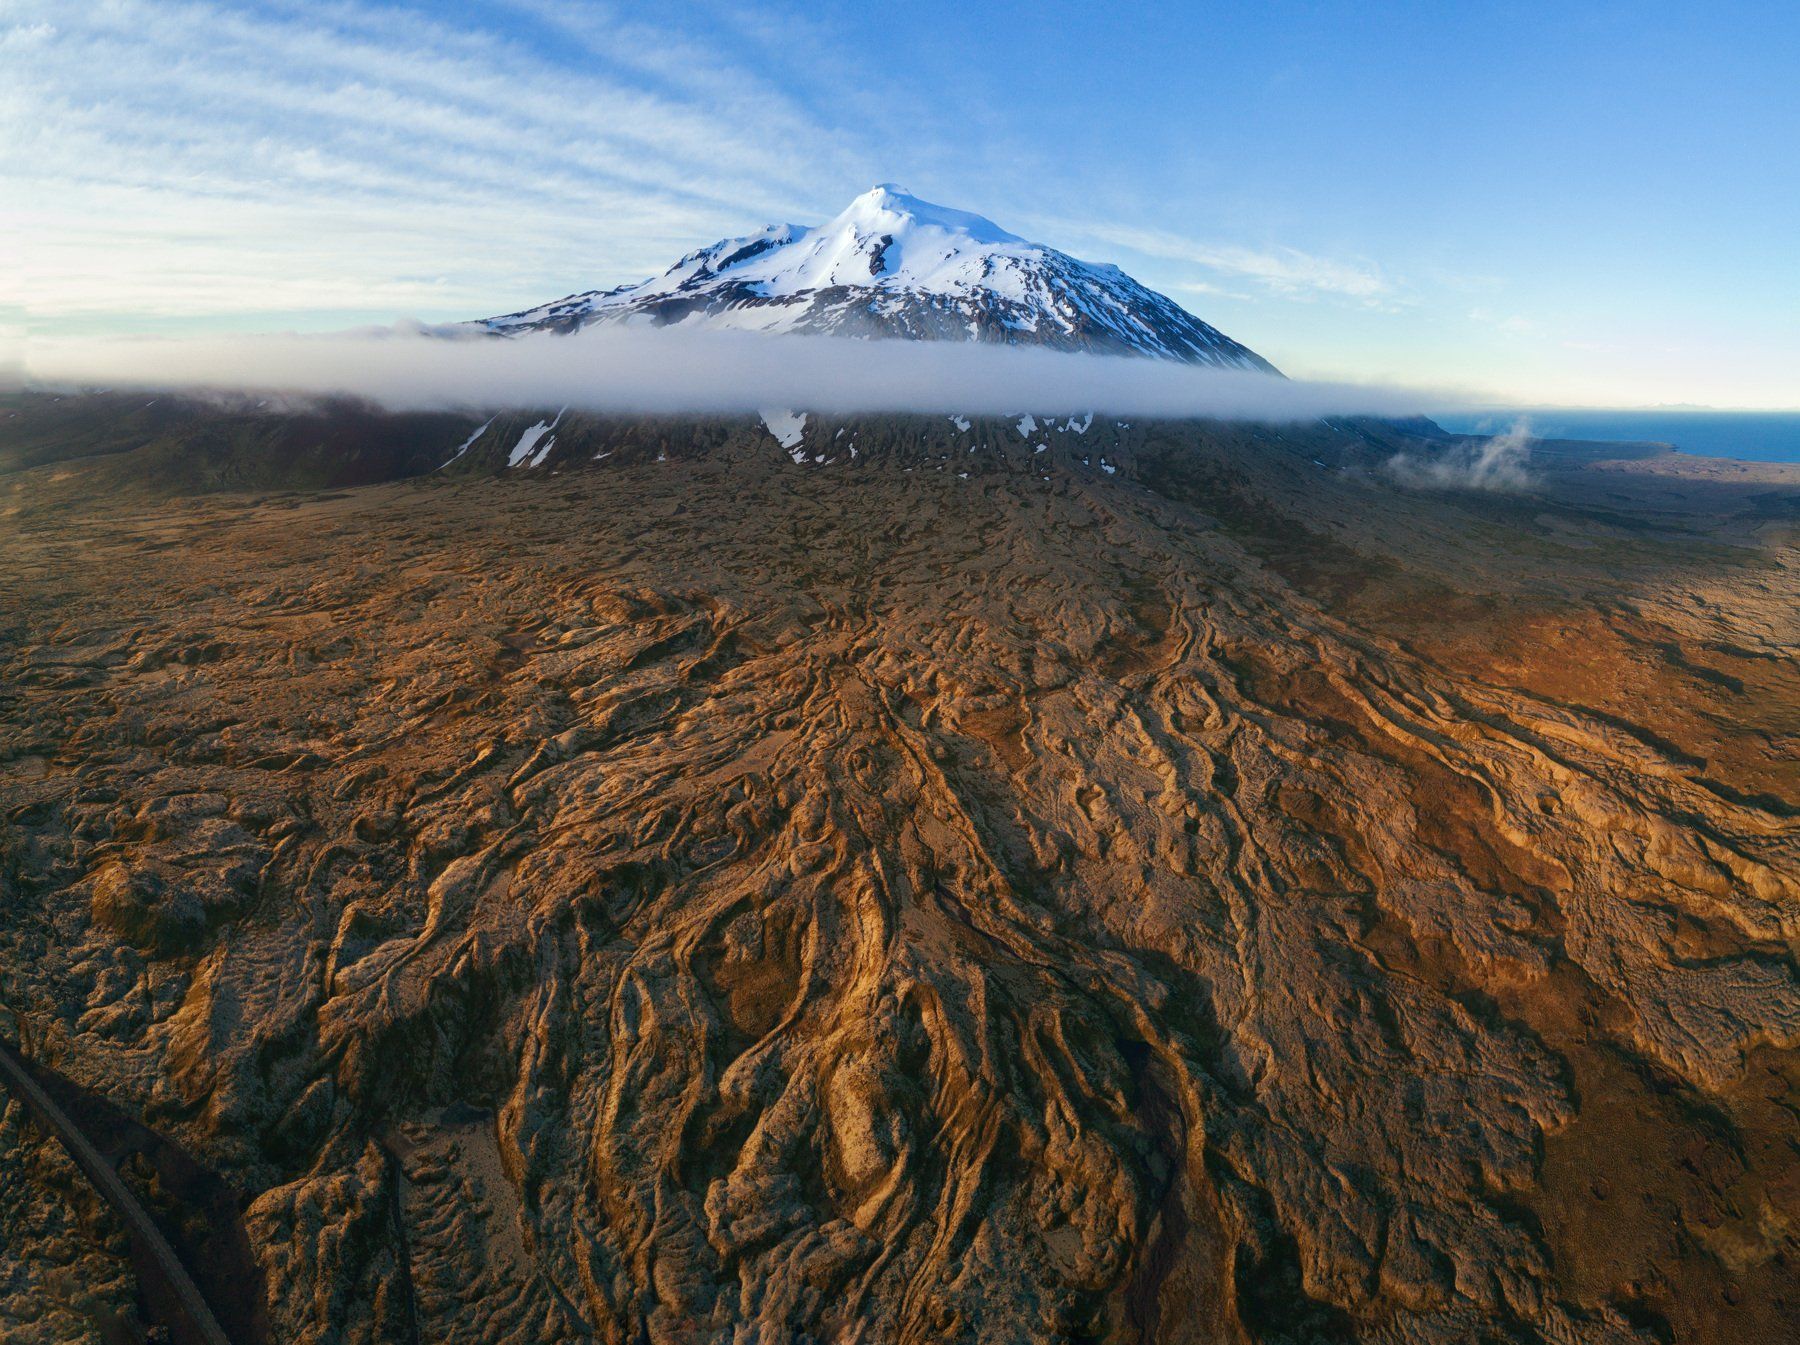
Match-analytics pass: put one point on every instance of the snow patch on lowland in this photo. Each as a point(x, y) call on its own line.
point(789, 429)
point(528, 452)
point(468, 443)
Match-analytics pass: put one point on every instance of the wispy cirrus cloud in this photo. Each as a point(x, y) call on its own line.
point(178, 163)
point(175, 159)
point(1279, 270)
point(1508, 324)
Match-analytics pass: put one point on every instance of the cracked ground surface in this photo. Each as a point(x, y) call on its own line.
point(715, 899)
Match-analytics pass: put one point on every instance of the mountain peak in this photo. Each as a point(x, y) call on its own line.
point(890, 206)
point(893, 265)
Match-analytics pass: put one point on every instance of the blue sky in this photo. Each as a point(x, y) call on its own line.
point(1576, 204)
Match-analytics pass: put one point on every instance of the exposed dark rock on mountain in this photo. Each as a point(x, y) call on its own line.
point(892, 265)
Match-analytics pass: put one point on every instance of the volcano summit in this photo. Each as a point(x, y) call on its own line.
point(895, 266)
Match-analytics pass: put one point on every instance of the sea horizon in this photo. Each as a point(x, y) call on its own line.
point(1752, 436)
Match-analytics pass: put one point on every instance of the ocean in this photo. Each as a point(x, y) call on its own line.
point(1758, 436)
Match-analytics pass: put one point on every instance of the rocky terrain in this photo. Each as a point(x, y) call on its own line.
point(1071, 882)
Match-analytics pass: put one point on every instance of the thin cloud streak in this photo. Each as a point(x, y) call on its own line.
point(341, 147)
point(179, 161)
point(1280, 270)
point(651, 370)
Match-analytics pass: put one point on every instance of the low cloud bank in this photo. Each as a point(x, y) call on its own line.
point(1497, 463)
point(663, 370)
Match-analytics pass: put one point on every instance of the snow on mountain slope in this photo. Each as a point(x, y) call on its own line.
point(892, 265)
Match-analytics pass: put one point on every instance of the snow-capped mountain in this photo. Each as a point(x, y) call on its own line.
point(892, 265)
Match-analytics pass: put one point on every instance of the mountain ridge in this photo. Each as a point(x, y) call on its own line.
point(891, 265)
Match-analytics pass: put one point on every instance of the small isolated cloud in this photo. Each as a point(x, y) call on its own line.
point(1496, 463)
point(669, 371)
point(1514, 325)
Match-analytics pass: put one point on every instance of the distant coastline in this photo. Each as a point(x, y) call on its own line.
point(1754, 436)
